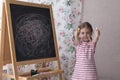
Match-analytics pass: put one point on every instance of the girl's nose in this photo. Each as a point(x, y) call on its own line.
point(85, 35)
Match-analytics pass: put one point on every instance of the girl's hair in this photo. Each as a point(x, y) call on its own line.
point(86, 25)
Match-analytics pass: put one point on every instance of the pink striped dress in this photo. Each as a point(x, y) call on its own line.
point(85, 68)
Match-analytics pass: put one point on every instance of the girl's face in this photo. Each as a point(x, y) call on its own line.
point(85, 34)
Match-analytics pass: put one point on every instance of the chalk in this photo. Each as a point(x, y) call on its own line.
point(96, 28)
point(35, 75)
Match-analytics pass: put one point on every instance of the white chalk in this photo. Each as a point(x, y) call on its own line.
point(96, 28)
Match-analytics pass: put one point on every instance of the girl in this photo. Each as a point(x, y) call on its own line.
point(85, 68)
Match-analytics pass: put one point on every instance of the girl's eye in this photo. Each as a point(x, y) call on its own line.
point(82, 32)
point(87, 33)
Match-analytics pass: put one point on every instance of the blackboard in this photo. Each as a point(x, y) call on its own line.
point(32, 32)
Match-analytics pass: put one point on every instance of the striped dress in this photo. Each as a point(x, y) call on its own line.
point(85, 68)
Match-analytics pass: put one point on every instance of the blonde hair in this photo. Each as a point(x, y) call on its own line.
point(86, 25)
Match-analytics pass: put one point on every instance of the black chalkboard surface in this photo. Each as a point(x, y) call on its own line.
point(32, 32)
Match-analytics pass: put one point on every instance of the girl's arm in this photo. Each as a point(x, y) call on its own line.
point(76, 34)
point(97, 35)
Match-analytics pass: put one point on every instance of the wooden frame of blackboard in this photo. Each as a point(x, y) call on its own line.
point(8, 40)
point(12, 43)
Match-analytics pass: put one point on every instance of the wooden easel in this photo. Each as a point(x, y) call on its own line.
point(7, 53)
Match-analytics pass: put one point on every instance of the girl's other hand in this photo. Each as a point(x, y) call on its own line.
point(97, 32)
point(77, 32)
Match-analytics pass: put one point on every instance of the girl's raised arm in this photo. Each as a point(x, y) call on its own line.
point(76, 34)
point(97, 35)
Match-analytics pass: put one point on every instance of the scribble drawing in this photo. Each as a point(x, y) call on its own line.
point(34, 36)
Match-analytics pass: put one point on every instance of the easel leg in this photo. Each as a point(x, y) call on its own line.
point(4, 26)
point(60, 76)
point(2, 40)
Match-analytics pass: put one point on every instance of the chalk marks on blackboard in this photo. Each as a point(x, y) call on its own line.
point(33, 37)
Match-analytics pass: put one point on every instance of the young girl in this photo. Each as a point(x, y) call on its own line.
point(85, 68)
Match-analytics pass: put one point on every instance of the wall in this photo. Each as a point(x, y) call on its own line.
point(105, 14)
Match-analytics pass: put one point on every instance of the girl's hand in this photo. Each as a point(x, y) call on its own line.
point(76, 35)
point(77, 32)
point(96, 38)
point(97, 32)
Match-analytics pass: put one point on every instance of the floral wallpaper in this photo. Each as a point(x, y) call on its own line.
point(67, 16)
